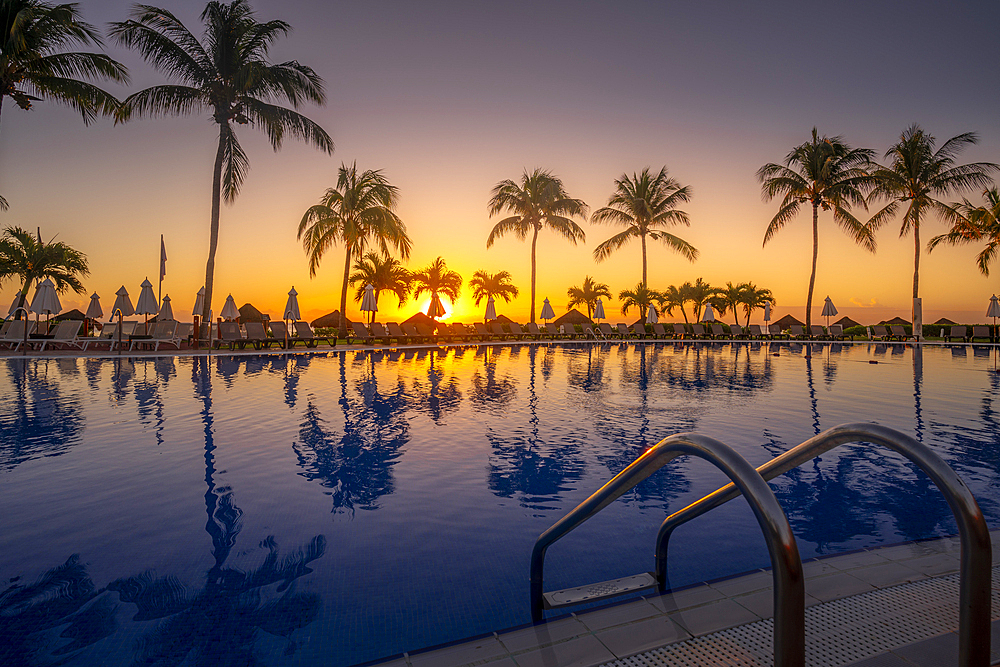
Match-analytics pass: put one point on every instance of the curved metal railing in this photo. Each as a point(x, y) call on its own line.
point(789, 589)
point(976, 556)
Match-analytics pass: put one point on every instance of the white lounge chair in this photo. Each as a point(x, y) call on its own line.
point(66, 333)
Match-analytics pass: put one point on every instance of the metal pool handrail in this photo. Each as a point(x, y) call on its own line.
point(789, 588)
point(976, 557)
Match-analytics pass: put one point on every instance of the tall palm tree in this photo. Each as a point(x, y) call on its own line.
point(729, 298)
point(641, 297)
point(754, 298)
point(33, 68)
point(356, 213)
point(644, 204)
point(227, 74)
point(31, 260)
point(384, 274)
point(917, 175)
point(437, 279)
point(976, 223)
point(539, 200)
point(485, 285)
point(827, 174)
point(587, 295)
point(674, 297)
point(699, 294)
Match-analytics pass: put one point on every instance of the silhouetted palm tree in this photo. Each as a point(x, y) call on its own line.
point(698, 294)
point(729, 299)
point(356, 213)
point(587, 295)
point(674, 297)
point(754, 299)
point(976, 224)
point(917, 175)
point(31, 260)
point(437, 279)
point(539, 200)
point(498, 285)
point(385, 274)
point(644, 203)
point(641, 297)
point(825, 173)
point(229, 75)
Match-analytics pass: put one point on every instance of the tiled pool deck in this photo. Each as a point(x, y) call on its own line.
point(918, 580)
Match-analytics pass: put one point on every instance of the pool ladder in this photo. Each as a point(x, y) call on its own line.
point(786, 565)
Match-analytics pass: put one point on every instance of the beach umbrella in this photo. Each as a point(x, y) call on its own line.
point(547, 313)
point(229, 310)
point(709, 314)
point(46, 300)
point(123, 304)
point(199, 303)
point(13, 304)
point(94, 310)
point(436, 309)
point(829, 310)
point(368, 302)
point(767, 312)
point(491, 310)
point(291, 311)
point(146, 304)
point(599, 310)
point(166, 311)
point(994, 309)
point(651, 317)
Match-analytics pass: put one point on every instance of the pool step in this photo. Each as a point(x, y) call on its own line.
point(600, 591)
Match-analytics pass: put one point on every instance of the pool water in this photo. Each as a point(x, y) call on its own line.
point(340, 507)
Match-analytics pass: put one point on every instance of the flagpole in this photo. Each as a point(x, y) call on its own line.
point(163, 270)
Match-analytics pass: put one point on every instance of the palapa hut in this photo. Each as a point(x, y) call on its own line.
point(250, 314)
point(503, 319)
point(944, 321)
point(574, 316)
point(896, 320)
point(787, 321)
point(330, 320)
point(847, 322)
point(422, 318)
point(73, 314)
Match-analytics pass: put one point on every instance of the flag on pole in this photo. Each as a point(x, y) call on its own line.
point(163, 258)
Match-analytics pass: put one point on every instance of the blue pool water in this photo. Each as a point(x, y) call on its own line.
point(337, 508)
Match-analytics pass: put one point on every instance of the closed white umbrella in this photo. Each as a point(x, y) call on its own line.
point(491, 310)
point(166, 310)
point(651, 317)
point(547, 313)
point(229, 310)
point(599, 310)
point(767, 312)
point(291, 311)
point(13, 304)
point(199, 303)
point(46, 301)
point(123, 304)
point(146, 304)
point(829, 310)
point(436, 309)
point(94, 310)
point(994, 309)
point(709, 314)
point(369, 303)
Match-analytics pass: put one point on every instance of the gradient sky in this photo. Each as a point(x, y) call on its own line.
point(448, 98)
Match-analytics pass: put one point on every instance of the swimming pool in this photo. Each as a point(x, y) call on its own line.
point(340, 507)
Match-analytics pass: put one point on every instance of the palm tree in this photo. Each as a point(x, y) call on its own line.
point(977, 223)
point(356, 213)
point(587, 295)
point(916, 175)
point(31, 260)
point(699, 294)
point(32, 69)
point(641, 297)
point(643, 204)
point(828, 174)
point(730, 298)
point(674, 297)
point(385, 274)
point(485, 285)
point(437, 279)
point(754, 299)
point(229, 75)
point(540, 200)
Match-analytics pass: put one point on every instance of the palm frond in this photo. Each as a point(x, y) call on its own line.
point(276, 120)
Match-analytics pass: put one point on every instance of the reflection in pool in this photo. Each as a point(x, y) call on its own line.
point(336, 508)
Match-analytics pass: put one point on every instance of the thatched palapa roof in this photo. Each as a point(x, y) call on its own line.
point(421, 318)
point(503, 319)
point(895, 320)
point(847, 322)
point(73, 314)
point(574, 316)
point(945, 321)
point(787, 321)
point(329, 320)
point(250, 314)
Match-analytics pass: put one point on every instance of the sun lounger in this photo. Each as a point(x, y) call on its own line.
point(552, 330)
point(482, 331)
point(698, 331)
point(680, 331)
point(816, 332)
point(623, 330)
point(606, 331)
point(305, 334)
point(516, 331)
point(426, 332)
point(229, 335)
point(65, 334)
point(258, 336)
point(459, 333)
point(897, 332)
point(533, 331)
point(379, 333)
point(569, 331)
point(836, 332)
point(879, 332)
point(797, 332)
point(498, 331)
point(397, 332)
point(360, 333)
point(163, 333)
point(718, 331)
point(956, 332)
point(775, 333)
point(110, 335)
point(413, 333)
point(980, 331)
point(279, 330)
point(754, 331)
point(588, 332)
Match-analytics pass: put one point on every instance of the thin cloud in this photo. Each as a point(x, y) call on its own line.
point(860, 304)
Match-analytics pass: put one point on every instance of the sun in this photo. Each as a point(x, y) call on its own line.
point(448, 308)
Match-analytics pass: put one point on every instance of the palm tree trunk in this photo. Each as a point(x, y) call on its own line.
point(343, 293)
point(644, 260)
point(916, 255)
point(812, 276)
point(684, 313)
point(213, 239)
point(534, 241)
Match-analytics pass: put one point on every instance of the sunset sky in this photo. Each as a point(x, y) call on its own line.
point(449, 98)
